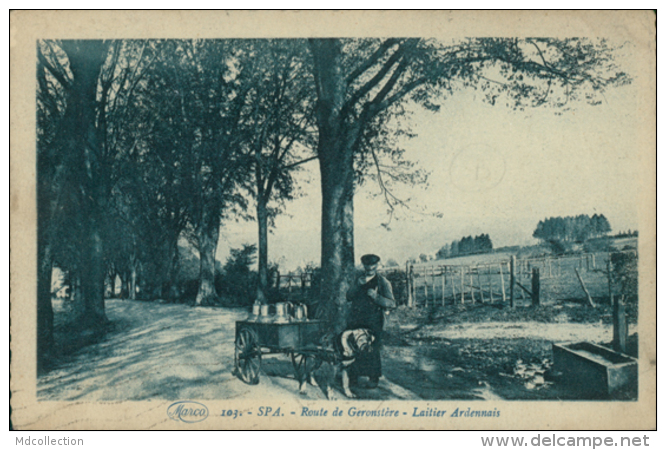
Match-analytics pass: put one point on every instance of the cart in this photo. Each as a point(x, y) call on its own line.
point(298, 339)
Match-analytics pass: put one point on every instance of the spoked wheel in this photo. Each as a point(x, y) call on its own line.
point(247, 358)
point(303, 365)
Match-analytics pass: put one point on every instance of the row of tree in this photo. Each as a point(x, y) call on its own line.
point(572, 228)
point(143, 142)
point(627, 233)
point(468, 245)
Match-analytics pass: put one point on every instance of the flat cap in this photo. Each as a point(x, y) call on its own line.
point(370, 259)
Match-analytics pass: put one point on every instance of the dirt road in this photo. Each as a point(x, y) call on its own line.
point(165, 351)
point(172, 352)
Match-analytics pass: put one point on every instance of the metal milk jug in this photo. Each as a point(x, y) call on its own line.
point(256, 310)
point(301, 312)
point(281, 312)
point(264, 314)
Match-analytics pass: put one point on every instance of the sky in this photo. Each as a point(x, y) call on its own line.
point(492, 170)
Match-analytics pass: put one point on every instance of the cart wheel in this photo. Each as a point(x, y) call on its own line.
point(247, 356)
point(304, 365)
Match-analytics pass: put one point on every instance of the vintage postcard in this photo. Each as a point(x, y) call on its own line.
point(333, 220)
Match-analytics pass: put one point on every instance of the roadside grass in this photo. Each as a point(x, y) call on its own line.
point(560, 311)
point(468, 367)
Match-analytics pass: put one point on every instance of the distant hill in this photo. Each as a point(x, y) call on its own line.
point(607, 244)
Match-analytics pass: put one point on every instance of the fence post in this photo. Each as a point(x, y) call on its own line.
point(587, 293)
point(620, 325)
point(425, 287)
point(453, 285)
point(502, 282)
point(443, 275)
point(434, 294)
point(462, 285)
point(478, 278)
point(536, 287)
point(432, 288)
point(469, 278)
point(512, 280)
point(490, 284)
point(520, 275)
point(410, 298)
point(619, 315)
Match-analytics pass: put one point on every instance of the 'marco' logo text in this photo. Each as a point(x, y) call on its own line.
point(188, 412)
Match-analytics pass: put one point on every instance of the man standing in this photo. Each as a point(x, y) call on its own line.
point(371, 296)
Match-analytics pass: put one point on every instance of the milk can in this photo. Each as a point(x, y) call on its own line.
point(264, 315)
point(301, 312)
point(256, 311)
point(281, 312)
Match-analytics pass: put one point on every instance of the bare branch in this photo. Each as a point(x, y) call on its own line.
point(298, 163)
point(372, 60)
point(406, 89)
point(379, 76)
point(64, 82)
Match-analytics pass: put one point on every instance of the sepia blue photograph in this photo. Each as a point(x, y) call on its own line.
point(424, 230)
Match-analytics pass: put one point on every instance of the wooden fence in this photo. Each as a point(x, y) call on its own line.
point(513, 280)
point(517, 281)
point(294, 280)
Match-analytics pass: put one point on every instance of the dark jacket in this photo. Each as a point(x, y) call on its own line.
point(367, 312)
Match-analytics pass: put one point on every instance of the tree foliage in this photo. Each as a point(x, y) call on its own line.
point(238, 281)
point(468, 245)
point(572, 228)
point(143, 142)
point(359, 82)
point(283, 137)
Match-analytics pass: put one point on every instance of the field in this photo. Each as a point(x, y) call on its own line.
point(486, 277)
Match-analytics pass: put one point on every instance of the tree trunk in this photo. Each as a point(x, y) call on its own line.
point(169, 275)
point(92, 281)
point(262, 219)
point(208, 236)
point(75, 295)
point(336, 164)
point(159, 270)
point(109, 286)
point(124, 284)
point(152, 277)
point(86, 59)
point(337, 242)
point(44, 308)
point(133, 273)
